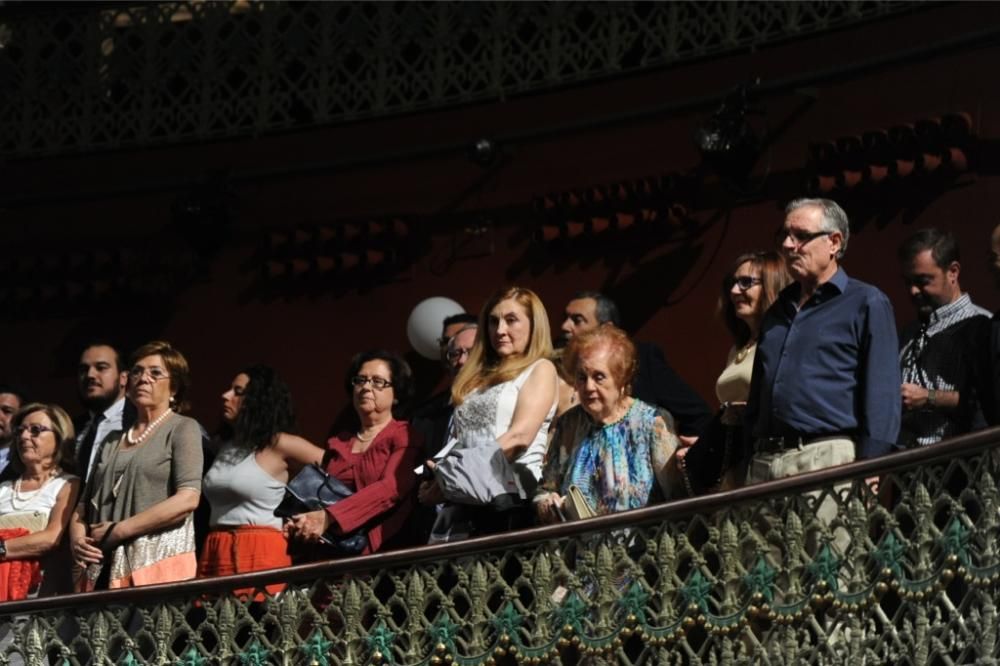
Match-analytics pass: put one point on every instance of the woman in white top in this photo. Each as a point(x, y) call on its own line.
point(505, 398)
point(38, 504)
point(247, 479)
point(748, 290)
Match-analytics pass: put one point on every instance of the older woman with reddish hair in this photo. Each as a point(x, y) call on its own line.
point(613, 450)
point(134, 525)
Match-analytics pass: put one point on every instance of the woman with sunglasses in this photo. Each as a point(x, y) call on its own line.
point(375, 460)
point(134, 525)
point(36, 507)
point(748, 290)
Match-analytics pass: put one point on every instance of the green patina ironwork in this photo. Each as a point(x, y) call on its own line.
point(755, 581)
point(316, 649)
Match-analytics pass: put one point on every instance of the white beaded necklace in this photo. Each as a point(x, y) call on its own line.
point(25, 499)
point(149, 428)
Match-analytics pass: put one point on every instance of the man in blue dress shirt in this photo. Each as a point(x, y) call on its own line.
point(826, 377)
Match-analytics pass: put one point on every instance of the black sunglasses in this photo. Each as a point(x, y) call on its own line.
point(744, 282)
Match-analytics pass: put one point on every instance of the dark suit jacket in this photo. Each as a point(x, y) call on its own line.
point(656, 383)
point(991, 391)
point(431, 418)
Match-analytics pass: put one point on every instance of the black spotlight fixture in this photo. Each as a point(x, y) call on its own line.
point(728, 143)
point(484, 152)
point(203, 215)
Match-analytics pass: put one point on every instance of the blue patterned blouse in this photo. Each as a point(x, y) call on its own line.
point(613, 465)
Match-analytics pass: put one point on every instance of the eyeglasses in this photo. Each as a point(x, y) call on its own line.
point(154, 374)
point(800, 238)
point(377, 382)
point(33, 429)
point(458, 352)
point(744, 282)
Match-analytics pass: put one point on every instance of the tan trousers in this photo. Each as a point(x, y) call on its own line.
point(811, 457)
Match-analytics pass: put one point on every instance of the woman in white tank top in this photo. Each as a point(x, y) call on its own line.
point(505, 398)
point(35, 508)
point(247, 479)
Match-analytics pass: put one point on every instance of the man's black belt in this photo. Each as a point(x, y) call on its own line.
point(788, 441)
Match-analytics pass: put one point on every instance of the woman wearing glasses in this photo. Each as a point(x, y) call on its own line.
point(36, 507)
point(376, 460)
point(246, 482)
point(134, 525)
point(747, 292)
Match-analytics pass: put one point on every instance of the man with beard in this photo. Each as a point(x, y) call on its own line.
point(11, 399)
point(941, 353)
point(101, 382)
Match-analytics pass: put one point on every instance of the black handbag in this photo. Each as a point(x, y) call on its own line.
point(719, 448)
point(313, 489)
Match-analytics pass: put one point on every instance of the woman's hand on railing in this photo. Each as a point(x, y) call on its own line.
point(307, 527)
point(548, 507)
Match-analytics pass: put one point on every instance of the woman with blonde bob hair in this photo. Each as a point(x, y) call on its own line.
point(36, 507)
point(504, 397)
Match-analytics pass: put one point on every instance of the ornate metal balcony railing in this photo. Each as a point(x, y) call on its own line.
point(78, 80)
point(745, 577)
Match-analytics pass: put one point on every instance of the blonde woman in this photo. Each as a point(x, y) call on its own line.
point(505, 398)
point(36, 507)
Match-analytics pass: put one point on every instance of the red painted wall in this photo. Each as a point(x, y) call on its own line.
point(668, 291)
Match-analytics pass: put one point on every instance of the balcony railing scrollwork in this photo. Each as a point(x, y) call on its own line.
point(905, 575)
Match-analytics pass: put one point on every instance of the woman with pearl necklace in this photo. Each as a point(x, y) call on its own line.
point(134, 525)
point(36, 507)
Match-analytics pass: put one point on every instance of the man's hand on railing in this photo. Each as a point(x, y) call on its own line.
point(429, 493)
point(85, 550)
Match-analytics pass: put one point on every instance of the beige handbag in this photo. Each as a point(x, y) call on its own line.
point(33, 521)
point(575, 506)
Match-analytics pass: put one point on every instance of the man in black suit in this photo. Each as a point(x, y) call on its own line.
point(656, 382)
point(991, 402)
point(433, 421)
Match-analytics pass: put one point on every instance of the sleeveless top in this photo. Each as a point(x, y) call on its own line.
point(733, 384)
point(489, 412)
point(32, 501)
point(240, 492)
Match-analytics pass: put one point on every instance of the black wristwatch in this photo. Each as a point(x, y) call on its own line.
point(3, 549)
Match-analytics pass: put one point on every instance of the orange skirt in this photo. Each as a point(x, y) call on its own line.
point(243, 549)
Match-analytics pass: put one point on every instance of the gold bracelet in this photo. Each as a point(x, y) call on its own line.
point(932, 397)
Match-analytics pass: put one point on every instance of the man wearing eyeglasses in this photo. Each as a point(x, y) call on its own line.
point(433, 421)
point(943, 353)
point(826, 379)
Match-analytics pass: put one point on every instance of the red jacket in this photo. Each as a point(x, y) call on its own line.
point(383, 481)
